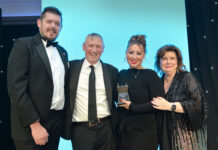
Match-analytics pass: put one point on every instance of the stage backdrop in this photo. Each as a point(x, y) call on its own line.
point(163, 22)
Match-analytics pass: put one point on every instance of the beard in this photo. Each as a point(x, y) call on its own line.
point(47, 38)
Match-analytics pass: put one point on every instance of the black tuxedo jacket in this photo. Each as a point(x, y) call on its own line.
point(110, 77)
point(30, 84)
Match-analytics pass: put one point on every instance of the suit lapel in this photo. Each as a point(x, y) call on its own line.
point(107, 82)
point(74, 79)
point(43, 55)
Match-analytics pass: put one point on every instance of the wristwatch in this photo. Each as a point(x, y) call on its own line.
point(173, 107)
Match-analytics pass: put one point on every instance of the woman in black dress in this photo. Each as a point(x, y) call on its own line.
point(184, 110)
point(137, 125)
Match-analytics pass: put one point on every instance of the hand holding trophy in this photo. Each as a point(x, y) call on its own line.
point(122, 93)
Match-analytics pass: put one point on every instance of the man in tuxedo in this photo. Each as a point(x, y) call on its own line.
point(37, 68)
point(91, 91)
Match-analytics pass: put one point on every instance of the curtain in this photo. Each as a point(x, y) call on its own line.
point(202, 27)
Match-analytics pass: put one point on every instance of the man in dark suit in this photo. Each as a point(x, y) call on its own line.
point(89, 116)
point(36, 79)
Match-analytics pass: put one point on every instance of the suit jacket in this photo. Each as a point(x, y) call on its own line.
point(30, 84)
point(110, 76)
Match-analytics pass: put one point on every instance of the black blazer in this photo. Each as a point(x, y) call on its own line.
point(30, 84)
point(110, 76)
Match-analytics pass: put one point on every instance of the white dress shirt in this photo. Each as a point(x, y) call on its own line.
point(58, 74)
point(81, 104)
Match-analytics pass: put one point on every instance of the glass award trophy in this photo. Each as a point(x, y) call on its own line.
point(122, 93)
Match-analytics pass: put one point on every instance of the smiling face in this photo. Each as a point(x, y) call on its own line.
point(135, 55)
point(93, 48)
point(50, 26)
point(169, 62)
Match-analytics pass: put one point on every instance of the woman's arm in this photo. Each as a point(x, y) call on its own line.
point(162, 104)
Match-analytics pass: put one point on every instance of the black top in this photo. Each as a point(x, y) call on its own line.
point(144, 84)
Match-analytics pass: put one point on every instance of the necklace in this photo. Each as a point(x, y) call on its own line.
point(135, 75)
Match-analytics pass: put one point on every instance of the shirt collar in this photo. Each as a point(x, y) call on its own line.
point(44, 43)
point(87, 64)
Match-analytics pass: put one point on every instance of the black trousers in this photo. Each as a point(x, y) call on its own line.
point(99, 137)
point(53, 126)
point(138, 139)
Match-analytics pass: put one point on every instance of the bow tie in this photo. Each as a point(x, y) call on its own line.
point(51, 43)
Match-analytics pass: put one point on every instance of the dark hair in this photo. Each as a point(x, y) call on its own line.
point(169, 48)
point(52, 10)
point(92, 35)
point(138, 40)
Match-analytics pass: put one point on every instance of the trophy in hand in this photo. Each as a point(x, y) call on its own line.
point(122, 93)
